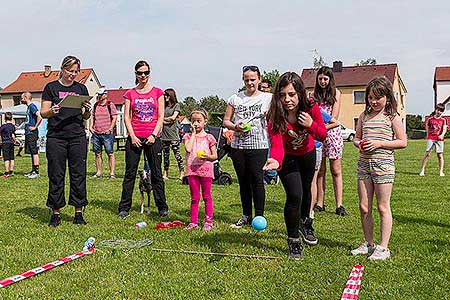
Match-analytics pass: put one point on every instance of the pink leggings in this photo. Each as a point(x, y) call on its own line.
point(194, 185)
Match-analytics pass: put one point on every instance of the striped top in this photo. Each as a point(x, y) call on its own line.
point(377, 128)
point(251, 110)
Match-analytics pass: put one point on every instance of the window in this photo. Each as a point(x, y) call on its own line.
point(359, 97)
point(16, 100)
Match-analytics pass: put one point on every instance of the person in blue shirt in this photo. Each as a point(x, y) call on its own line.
point(31, 125)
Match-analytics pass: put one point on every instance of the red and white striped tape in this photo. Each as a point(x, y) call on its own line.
point(353, 285)
point(46, 267)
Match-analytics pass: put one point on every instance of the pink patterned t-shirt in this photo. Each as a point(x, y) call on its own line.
point(197, 166)
point(144, 110)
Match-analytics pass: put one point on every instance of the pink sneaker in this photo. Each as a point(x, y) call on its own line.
point(191, 226)
point(207, 226)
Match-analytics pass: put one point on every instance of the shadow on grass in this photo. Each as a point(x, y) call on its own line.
point(334, 244)
point(219, 242)
point(41, 213)
point(413, 220)
point(408, 173)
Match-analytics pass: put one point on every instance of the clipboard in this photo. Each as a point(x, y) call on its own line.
point(74, 101)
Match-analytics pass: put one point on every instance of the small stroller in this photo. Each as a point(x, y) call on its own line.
point(220, 177)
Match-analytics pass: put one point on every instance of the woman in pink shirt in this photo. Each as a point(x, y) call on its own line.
point(294, 122)
point(144, 116)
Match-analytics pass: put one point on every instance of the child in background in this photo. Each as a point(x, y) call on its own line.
point(308, 231)
point(436, 127)
point(201, 151)
point(374, 137)
point(7, 132)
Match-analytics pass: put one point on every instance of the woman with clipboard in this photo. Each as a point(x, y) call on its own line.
point(66, 141)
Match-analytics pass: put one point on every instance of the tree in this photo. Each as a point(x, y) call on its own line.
point(367, 62)
point(414, 122)
point(188, 105)
point(271, 76)
point(215, 107)
point(318, 60)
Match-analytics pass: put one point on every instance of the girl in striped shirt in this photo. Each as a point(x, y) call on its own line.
point(379, 131)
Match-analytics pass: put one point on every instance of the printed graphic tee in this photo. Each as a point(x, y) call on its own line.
point(435, 126)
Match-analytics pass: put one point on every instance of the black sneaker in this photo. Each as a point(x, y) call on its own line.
point(307, 231)
point(244, 220)
point(55, 220)
point(340, 211)
point(123, 214)
point(163, 213)
point(295, 248)
point(319, 208)
point(78, 219)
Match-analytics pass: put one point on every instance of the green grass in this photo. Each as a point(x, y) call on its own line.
point(418, 269)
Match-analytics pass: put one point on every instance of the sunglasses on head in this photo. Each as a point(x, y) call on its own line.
point(146, 73)
point(250, 68)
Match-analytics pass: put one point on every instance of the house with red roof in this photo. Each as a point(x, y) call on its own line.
point(441, 86)
point(34, 82)
point(351, 82)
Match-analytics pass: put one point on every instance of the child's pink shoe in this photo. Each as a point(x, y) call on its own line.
point(207, 226)
point(191, 226)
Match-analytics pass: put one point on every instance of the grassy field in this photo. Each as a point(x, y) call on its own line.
point(418, 269)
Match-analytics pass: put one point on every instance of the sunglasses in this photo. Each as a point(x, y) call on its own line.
point(250, 68)
point(145, 73)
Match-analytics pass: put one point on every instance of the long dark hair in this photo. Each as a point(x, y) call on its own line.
point(139, 64)
point(380, 87)
point(277, 114)
point(172, 97)
point(328, 94)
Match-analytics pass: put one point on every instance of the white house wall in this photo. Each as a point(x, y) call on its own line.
point(443, 90)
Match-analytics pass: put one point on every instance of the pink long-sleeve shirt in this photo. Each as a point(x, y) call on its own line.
point(297, 140)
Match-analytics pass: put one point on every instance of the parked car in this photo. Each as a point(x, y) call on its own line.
point(347, 133)
point(184, 128)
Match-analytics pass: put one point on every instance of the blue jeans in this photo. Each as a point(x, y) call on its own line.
point(107, 140)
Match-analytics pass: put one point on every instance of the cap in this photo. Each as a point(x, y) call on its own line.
point(102, 91)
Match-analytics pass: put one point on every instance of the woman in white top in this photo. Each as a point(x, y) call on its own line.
point(245, 114)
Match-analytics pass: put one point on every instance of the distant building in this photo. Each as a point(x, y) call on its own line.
point(34, 82)
point(352, 81)
point(441, 87)
point(116, 97)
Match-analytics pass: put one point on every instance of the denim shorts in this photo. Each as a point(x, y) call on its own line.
point(107, 140)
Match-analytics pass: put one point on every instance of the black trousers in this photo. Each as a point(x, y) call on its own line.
point(59, 152)
point(248, 165)
point(296, 175)
point(153, 153)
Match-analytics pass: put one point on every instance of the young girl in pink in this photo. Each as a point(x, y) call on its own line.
point(201, 151)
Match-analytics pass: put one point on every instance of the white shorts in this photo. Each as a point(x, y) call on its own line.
point(439, 146)
point(318, 158)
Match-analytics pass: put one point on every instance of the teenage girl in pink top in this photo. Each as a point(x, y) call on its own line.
point(294, 123)
point(144, 116)
point(201, 151)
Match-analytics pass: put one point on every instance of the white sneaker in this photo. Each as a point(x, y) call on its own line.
point(363, 249)
point(380, 253)
point(33, 175)
point(422, 173)
point(441, 174)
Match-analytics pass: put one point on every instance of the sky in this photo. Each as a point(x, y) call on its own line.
point(199, 47)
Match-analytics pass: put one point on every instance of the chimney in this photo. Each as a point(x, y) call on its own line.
point(337, 66)
point(47, 70)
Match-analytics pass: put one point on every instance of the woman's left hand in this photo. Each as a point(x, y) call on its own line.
point(271, 164)
point(305, 119)
point(150, 140)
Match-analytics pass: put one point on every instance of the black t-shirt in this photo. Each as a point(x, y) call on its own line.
point(7, 130)
point(68, 123)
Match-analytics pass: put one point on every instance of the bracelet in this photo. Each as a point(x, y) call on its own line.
point(154, 136)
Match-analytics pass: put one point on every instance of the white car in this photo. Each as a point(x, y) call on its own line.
point(347, 133)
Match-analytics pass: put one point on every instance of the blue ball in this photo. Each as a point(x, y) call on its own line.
point(259, 223)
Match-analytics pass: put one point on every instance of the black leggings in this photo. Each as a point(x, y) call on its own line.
point(175, 145)
point(296, 175)
point(153, 154)
point(248, 164)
